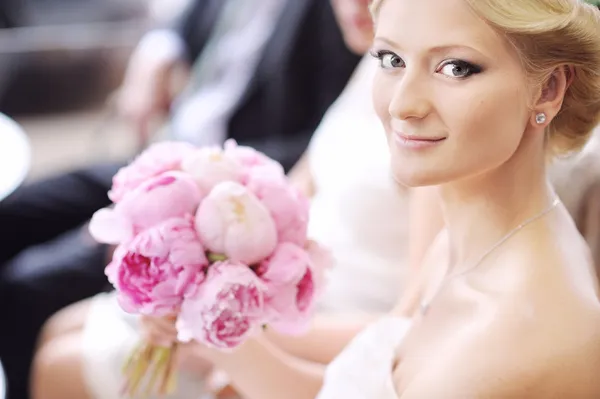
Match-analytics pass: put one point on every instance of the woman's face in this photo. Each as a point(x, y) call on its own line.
point(355, 21)
point(450, 91)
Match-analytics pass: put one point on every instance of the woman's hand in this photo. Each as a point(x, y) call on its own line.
point(258, 368)
point(161, 331)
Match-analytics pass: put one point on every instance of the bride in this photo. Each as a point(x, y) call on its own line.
point(474, 96)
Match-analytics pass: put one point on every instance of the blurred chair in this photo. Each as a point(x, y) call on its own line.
point(57, 54)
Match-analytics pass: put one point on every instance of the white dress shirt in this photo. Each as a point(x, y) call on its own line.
point(202, 116)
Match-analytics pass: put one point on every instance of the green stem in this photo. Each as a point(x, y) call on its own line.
point(216, 257)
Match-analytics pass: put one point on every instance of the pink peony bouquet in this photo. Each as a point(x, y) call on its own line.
point(213, 237)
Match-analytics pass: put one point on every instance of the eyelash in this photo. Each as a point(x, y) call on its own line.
point(471, 68)
point(379, 54)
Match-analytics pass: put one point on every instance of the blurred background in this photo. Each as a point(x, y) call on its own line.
point(60, 64)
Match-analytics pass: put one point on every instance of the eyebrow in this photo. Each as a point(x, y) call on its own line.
point(436, 49)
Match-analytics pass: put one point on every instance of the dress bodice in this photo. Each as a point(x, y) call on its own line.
point(364, 369)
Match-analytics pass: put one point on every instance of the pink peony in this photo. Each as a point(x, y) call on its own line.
point(231, 221)
point(157, 159)
point(158, 268)
point(210, 166)
point(251, 159)
point(289, 208)
point(287, 265)
point(169, 195)
point(226, 308)
point(290, 279)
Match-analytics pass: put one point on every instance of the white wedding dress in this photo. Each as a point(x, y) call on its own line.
point(364, 369)
point(359, 212)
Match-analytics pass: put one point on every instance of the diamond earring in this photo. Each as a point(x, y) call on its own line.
point(540, 118)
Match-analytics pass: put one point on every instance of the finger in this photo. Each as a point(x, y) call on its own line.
point(163, 326)
point(159, 325)
point(157, 338)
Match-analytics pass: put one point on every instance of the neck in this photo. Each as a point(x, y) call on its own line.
point(481, 210)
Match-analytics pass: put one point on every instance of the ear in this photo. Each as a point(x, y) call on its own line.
point(552, 94)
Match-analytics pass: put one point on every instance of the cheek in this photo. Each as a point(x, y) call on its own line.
point(383, 89)
point(486, 117)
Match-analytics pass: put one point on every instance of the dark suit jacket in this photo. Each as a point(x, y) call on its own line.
point(304, 68)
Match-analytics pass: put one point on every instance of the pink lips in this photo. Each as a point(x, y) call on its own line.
point(416, 142)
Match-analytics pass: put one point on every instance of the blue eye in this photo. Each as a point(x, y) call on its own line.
point(458, 69)
point(388, 60)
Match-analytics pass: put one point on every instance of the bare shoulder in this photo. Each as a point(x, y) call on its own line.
point(551, 328)
point(573, 351)
point(533, 331)
point(551, 353)
point(506, 363)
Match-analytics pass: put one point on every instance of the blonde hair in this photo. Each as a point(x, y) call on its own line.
point(549, 34)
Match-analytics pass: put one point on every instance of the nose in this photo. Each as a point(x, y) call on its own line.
point(410, 98)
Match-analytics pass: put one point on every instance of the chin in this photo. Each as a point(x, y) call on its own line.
point(413, 182)
point(416, 178)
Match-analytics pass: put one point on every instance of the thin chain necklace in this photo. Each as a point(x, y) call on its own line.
point(424, 306)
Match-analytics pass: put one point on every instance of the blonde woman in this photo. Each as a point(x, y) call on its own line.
point(474, 95)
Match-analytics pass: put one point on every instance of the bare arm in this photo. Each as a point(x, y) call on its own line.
point(328, 336)
point(260, 370)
